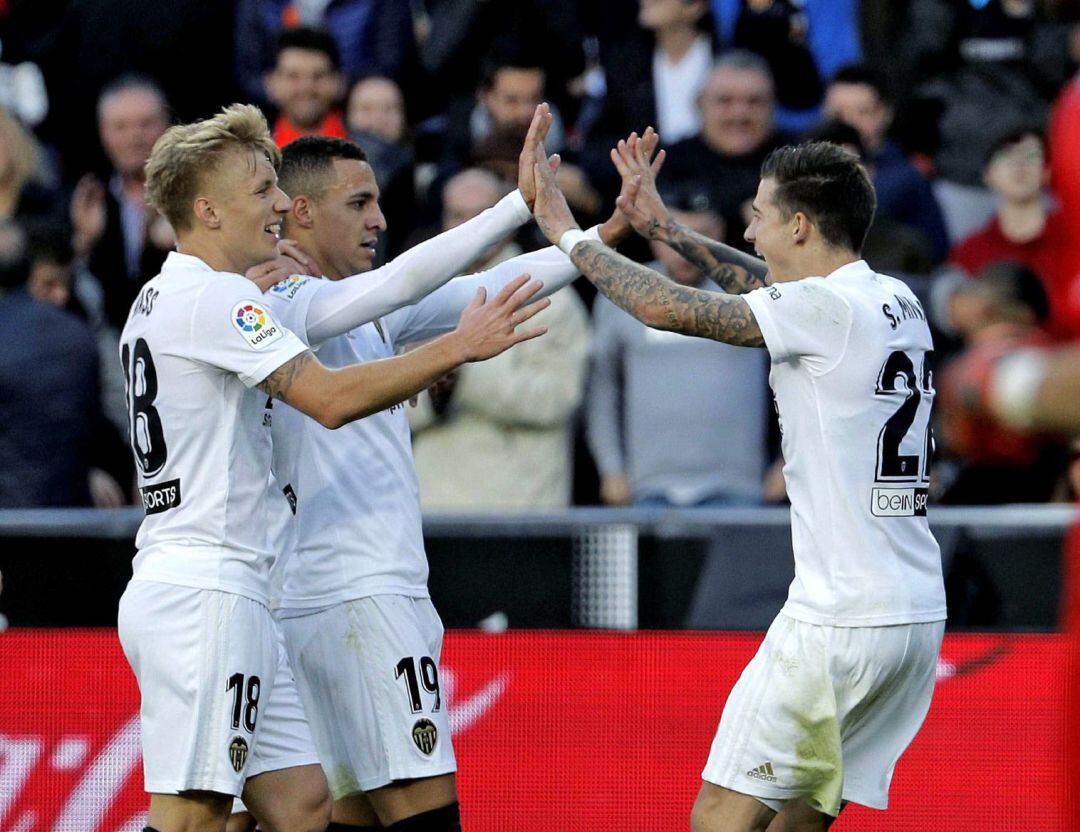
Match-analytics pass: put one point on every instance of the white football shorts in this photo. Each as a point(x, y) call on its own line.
point(218, 701)
point(368, 676)
point(823, 713)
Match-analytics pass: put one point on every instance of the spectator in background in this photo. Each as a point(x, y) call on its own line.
point(83, 46)
point(991, 66)
point(856, 96)
point(737, 133)
point(462, 35)
point(498, 435)
point(57, 278)
point(673, 420)
point(804, 44)
point(654, 73)
point(1002, 311)
point(23, 194)
point(1065, 171)
point(305, 86)
point(121, 238)
point(490, 132)
point(371, 36)
point(376, 121)
point(1024, 230)
point(51, 426)
point(491, 135)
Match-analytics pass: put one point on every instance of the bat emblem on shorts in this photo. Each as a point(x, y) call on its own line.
point(425, 735)
point(238, 753)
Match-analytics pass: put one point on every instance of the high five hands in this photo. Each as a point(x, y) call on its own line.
point(638, 200)
point(638, 204)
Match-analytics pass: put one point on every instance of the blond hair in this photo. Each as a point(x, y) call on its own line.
point(186, 153)
point(23, 150)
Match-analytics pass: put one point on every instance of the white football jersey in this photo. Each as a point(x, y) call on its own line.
point(354, 491)
point(852, 373)
point(195, 343)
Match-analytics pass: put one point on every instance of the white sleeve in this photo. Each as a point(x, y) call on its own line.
point(232, 328)
point(338, 306)
point(439, 312)
point(804, 319)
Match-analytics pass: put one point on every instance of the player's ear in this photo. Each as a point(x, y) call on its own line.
point(800, 228)
point(206, 213)
point(300, 212)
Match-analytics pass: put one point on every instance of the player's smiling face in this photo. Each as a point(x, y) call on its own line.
point(769, 231)
point(347, 220)
point(251, 207)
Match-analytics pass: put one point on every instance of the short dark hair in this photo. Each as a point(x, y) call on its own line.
point(1015, 283)
point(827, 183)
point(311, 39)
point(1014, 135)
point(306, 162)
point(837, 132)
point(863, 76)
point(133, 81)
point(49, 242)
point(505, 54)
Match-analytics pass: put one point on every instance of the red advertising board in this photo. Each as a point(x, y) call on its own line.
point(565, 731)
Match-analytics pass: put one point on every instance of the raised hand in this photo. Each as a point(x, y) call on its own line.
point(88, 214)
point(290, 260)
point(291, 248)
point(538, 131)
point(639, 201)
point(552, 214)
point(489, 328)
point(268, 274)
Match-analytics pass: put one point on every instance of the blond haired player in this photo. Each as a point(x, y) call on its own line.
point(844, 678)
point(201, 352)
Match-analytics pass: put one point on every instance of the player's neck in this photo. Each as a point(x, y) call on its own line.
point(212, 255)
point(819, 263)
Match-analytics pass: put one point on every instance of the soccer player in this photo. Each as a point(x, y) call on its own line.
point(845, 675)
point(363, 637)
point(201, 352)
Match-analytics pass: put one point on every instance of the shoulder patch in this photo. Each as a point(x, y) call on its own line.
point(255, 324)
point(287, 288)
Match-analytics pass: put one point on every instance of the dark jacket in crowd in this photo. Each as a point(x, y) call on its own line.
point(906, 197)
point(108, 263)
point(50, 411)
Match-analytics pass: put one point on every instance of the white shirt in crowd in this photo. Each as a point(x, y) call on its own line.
point(676, 86)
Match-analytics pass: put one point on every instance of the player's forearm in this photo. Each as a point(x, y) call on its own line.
point(360, 390)
point(735, 271)
point(340, 306)
point(336, 397)
point(663, 304)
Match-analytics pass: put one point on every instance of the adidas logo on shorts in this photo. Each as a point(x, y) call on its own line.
point(763, 772)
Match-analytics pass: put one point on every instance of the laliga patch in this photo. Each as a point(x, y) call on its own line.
point(255, 325)
point(425, 735)
point(287, 288)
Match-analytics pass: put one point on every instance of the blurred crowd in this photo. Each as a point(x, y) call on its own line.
point(965, 112)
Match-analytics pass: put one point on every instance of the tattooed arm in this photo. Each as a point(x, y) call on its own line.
point(639, 201)
point(663, 304)
point(647, 295)
point(735, 271)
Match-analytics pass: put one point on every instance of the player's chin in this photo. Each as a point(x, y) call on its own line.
point(364, 258)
